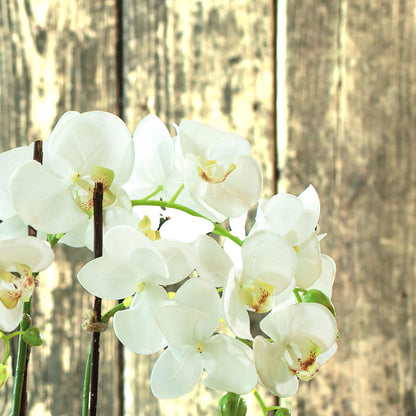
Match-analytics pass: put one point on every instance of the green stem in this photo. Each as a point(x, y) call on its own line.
point(6, 340)
point(177, 193)
point(297, 291)
point(158, 189)
point(109, 314)
point(167, 204)
point(54, 238)
point(265, 409)
point(261, 402)
point(86, 389)
point(22, 356)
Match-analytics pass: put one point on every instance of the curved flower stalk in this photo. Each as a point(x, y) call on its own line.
point(189, 325)
point(304, 336)
point(56, 197)
point(133, 264)
point(268, 270)
point(220, 174)
point(19, 259)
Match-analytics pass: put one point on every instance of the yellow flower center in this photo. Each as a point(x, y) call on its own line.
point(256, 295)
point(23, 282)
point(84, 188)
point(213, 172)
point(199, 348)
point(302, 359)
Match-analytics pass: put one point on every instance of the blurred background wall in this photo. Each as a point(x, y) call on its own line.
point(324, 90)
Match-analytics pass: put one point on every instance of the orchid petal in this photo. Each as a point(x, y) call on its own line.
point(108, 278)
point(326, 279)
point(171, 378)
point(180, 259)
point(268, 256)
point(228, 365)
point(136, 327)
point(272, 368)
point(308, 266)
point(279, 214)
point(311, 321)
point(184, 227)
point(121, 240)
point(55, 210)
point(200, 294)
point(27, 250)
point(87, 139)
point(9, 161)
point(197, 138)
point(213, 263)
point(308, 219)
point(182, 325)
point(239, 191)
point(235, 313)
point(153, 151)
point(13, 227)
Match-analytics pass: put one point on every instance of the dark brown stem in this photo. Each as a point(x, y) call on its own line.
point(38, 156)
point(95, 342)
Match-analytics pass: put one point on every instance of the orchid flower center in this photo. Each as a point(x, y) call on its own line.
point(199, 348)
point(23, 281)
point(84, 188)
point(256, 295)
point(140, 287)
point(212, 171)
point(145, 226)
point(301, 358)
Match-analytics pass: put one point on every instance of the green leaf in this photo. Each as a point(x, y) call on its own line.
point(33, 337)
point(316, 296)
point(282, 411)
point(232, 404)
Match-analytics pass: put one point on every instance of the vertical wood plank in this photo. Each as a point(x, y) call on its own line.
point(207, 61)
point(351, 116)
point(54, 57)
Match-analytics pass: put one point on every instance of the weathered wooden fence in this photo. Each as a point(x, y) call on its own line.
point(327, 85)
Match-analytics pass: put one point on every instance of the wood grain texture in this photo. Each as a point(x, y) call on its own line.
point(208, 61)
point(56, 57)
point(351, 119)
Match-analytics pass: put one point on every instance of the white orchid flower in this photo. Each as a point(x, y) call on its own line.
point(154, 166)
point(295, 219)
point(19, 258)
point(267, 273)
point(56, 197)
point(221, 174)
point(189, 325)
point(304, 336)
point(133, 264)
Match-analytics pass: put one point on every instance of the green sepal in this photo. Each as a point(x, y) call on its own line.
point(232, 404)
point(4, 374)
point(283, 411)
point(316, 296)
point(33, 337)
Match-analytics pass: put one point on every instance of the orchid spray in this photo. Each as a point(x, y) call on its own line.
point(159, 211)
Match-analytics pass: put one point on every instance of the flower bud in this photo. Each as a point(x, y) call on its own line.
point(232, 404)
